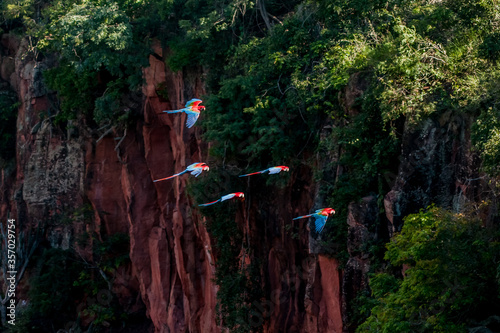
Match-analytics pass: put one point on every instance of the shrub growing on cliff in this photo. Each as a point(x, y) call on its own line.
point(449, 278)
point(487, 139)
point(52, 294)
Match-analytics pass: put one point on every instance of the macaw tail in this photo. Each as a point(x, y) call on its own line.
point(251, 174)
point(301, 217)
point(173, 111)
point(176, 175)
point(159, 180)
point(209, 203)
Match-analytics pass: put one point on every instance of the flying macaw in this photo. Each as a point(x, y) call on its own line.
point(195, 169)
point(272, 170)
point(192, 109)
point(320, 216)
point(237, 195)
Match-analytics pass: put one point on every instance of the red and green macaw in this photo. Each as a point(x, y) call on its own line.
point(320, 217)
point(272, 170)
point(195, 169)
point(237, 195)
point(192, 109)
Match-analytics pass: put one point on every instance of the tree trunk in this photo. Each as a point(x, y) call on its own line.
point(262, 7)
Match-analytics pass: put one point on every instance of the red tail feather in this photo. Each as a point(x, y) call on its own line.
point(159, 180)
point(209, 203)
point(250, 174)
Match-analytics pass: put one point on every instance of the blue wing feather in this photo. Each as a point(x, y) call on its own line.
point(191, 119)
point(319, 222)
point(196, 172)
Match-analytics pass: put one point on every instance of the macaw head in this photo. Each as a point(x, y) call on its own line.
point(240, 195)
point(205, 167)
point(201, 108)
point(286, 168)
point(330, 211)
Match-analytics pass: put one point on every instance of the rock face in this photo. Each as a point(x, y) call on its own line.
point(437, 166)
point(364, 228)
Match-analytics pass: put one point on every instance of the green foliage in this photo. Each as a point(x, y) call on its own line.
point(490, 48)
point(487, 138)
point(449, 278)
point(18, 15)
point(91, 34)
point(96, 277)
point(280, 83)
point(259, 105)
point(113, 252)
point(14, 9)
point(65, 286)
point(102, 48)
point(52, 293)
point(77, 90)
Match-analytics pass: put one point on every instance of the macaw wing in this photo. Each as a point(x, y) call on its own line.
point(193, 166)
point(196, 172)
point(193, 102)
point(227, 197)
point(191, 119)
point(274, 170)
point(319, 222)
